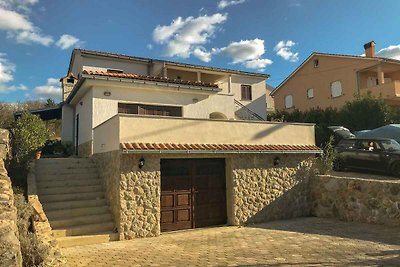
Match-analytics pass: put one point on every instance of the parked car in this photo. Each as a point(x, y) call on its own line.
point(377, 154)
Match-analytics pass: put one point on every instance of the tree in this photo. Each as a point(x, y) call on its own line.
point(28, 136)
point(50, 103)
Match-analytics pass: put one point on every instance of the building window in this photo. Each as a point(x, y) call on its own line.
point(246, 92)
point(316, 63)
point(310, 93)
point(152, 110)
point(115, 71)
point(288, 101)
point(336, 89)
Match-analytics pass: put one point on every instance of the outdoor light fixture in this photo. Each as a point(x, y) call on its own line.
point(107, 93)
point(141, 162)
point(277, 160)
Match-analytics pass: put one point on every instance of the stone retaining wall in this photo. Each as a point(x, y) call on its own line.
point(140, 196)
point(10, 250)
point(264, 192)
point(108, 165)
point(353, 199)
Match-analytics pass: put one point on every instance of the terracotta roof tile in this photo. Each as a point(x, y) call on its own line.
point(149, 78)
point(217, 147)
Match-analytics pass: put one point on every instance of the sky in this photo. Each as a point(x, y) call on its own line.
point(265, 36)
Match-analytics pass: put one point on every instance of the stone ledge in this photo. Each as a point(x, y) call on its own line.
point(40, 223)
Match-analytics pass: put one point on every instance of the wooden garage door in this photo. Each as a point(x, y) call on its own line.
point(193, 193)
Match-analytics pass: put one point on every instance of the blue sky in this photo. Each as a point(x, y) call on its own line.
point(268, 36)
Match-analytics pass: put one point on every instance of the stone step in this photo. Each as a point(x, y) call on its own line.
point(68, 182)
point(65, 177)
point(70, 189)
point(74, 204)
point(51, 161)
point(71, 241)
point(58, 171)
point(84, 229)
point(65, 166)
point(69, 213)
point(71, 197)
point(80, 220)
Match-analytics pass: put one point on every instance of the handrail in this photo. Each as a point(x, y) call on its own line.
point(249, 111)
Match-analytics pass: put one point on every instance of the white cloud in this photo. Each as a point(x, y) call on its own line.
point(283, 49)
point(149, 46)
point(183, 36)
point(7, 89)
point(67, 41)
point(392, 51)
point(202, 54)
point(12, 21)
point(244, 50)
point(7, 70)
point(51, 89)
point(29, 37)
point(225, 3)
point(259, 64)
point(15, 21)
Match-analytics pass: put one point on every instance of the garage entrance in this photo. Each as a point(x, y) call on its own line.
point(193, 193)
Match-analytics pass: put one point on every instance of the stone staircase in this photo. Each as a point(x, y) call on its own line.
point(74, 201)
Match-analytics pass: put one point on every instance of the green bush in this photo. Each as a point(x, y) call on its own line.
point(359, 114)
point(28, 136)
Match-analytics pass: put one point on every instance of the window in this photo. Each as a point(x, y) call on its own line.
point(246, 92)
point(310, 93)
point(336, 89)
point(149, 110)
point(70, 80)
point(288, 101)
point(115, 71)
point(316, 63)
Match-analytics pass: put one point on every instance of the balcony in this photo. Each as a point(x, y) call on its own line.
point(169, 130)
point(389, 91)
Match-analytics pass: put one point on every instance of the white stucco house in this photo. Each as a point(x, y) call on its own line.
point(176, 146)
point(101, 85)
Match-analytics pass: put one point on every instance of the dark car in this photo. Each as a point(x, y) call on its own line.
point(377, 154)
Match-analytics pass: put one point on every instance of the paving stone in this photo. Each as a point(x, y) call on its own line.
point(296, 242)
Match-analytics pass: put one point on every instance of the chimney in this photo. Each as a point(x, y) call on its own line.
point(370, 49)
point(67, 84)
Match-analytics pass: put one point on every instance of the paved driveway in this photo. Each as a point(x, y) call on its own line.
point(298, 242)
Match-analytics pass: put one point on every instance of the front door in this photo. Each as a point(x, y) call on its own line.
point(193, 193)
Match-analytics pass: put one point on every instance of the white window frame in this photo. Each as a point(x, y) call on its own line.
point(286, 99)
point(310, 90)
point(334, 94)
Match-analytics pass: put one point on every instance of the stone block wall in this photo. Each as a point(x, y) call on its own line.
point(10, 250)
point(140, 196)
point(85, 150)
point(108, 165)
point(263, 192)
point(353, 199)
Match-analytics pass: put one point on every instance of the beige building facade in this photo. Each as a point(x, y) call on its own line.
point(181, 146)
point(330, 80)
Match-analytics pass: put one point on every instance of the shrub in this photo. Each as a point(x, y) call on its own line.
point(56, 148)
point(325, 161)
point(33, 252)
point(28, 136)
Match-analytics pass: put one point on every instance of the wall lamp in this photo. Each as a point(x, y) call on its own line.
point(277, 160)
point(107, 93)
point(141, 162)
